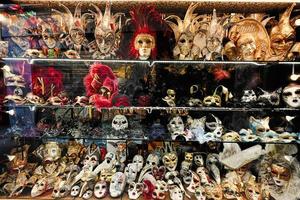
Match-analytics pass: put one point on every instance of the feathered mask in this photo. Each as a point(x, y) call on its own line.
point(47, 82)
point(145, 20)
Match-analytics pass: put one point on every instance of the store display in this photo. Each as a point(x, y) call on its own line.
point(177, 102)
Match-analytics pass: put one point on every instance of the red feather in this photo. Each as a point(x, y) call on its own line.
point(121, 101)
point(221, 74)
point(148, 189)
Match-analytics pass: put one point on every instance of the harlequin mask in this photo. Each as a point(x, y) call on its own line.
point(176, 193)
point(117, 184)
point(131, 171)
point(139, 160)
point(185, 31)
point(119, 122)
point(106, 28)
point(92, 157)
point(283, 35)
point(251, 40)
point(170, 161)
point(281, 174)
point(135, 190)
point(101, 189)
point(291, 95)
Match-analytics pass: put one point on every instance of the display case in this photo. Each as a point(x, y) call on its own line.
point(142, 100)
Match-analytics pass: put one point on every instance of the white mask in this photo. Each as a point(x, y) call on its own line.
point(61, 189)
point(117, 184)
point(160, 190)
point(194, 183)
point(176, 193)
point(100, 189)
point(152, 160)
point(135, 190)
point(75, 190)
point(131, 172)
point(248, 96)
point(291, 96)
point(176, 125)
point(39, 187)
point(119, 122)
point(88, 194)
point(200, 193)
point(139, 160)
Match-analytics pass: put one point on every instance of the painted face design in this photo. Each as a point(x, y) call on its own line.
point(105, 41)
point(176, 125)
point(170, 161)
point(144, 43)
point(291, 96)
point(281, 174)
point(247, 47)
point(185, 43)
point(117, 184)
point(77, 36)
point(100, 189)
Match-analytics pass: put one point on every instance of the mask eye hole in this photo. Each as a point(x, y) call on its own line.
point(182, 41)
point(297, 92)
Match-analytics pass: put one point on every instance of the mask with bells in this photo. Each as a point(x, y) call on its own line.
point(249, 96)
point(101, 189)
point(117, 184)
point(135, 190)
point(291, 95)
point(119, 122)
point(160, 190)
point(283, 35)
point(175, 192)
point(131, 171)
point(139, 160)
point(106, 30)
point(185, 31)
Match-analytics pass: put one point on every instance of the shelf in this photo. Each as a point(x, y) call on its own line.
point(47, 61)
point(204, 5)
point(156, 108)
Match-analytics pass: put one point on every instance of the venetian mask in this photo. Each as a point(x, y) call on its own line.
point(194, 183)
point(176, 125)
point(158, 172)
point(87, 194)
point(251, 40)
point(131, 172)
point(92, 157)
point(283, 35)
point(231, 136)
point(152, 160)
point(61, 189)
point(200, 193)
point(18, 157)
point(75, 190)
point(214, 192)
point(175, 193)
point(101, 189)
point(117, 184)
point(214, 100)
point(119, 122)
point(259, 126)
point(269, 98)
point(188, 157)
point(160, 190)
point(15, 81)
point(77, 36)
point(291, 95)
point(281, 174)
point(39, 187)
point(135, 190)
point(213, 122)
point(48, 37)
point(106, 174)
point(185, 31)
point(249, 96)
point(198, 159)
point(170, 161)
point(253, 191)
point(50, 151)
point(81, 101)
point(139, 160)
point(34, 99)
point(230, 191)
point(144, 44)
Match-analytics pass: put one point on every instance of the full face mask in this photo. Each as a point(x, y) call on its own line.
point(135, 190)
point(200, 193)
point(253, 191)
point(40, 187)
point(249, 96)
point(230, 191)
point(117, 184)
point(139, 160)
point(101, 189)
point(152, 160)
point(291, 95)
point(176, 125)
point(144, 44)
point(214, 192)
point(170, 161)
point(194, 183)
point(131, 171)
point(61, 189)
point(119, 122)
point(19, 157)
point(158, 172)
point(176, 193)
point(198, 159)
point(283, 35)
point(160, 190)
point(50, 151)
point(106, 174)
point(91, 159)
point(281, 174)
point(75, 190)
